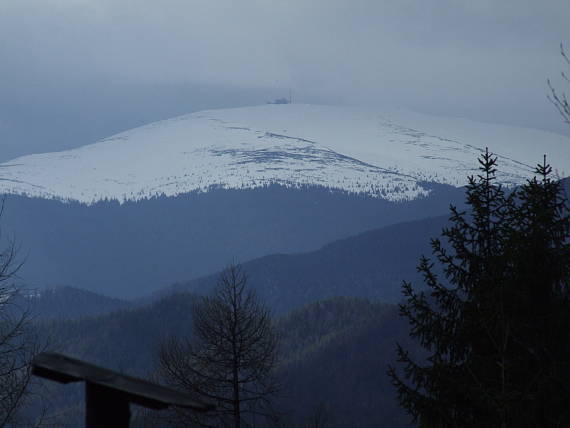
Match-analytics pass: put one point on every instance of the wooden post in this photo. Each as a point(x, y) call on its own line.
point(105, 407)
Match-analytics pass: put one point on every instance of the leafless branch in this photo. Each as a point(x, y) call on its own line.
point(559, 99)
point(17, 344)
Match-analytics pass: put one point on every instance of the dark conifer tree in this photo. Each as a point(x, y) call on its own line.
point(495, 318)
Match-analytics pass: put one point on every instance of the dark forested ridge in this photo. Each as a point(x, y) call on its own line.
point(370, 265)
point(340, 369)
point(131, 249)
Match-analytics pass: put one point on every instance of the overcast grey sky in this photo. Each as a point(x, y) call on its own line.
point(73, 71)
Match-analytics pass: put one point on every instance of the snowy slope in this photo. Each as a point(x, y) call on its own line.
point(384, 154)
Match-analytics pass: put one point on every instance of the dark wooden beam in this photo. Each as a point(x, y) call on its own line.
point(109, 393)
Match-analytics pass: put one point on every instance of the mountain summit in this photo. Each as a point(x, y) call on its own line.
point(385, 155)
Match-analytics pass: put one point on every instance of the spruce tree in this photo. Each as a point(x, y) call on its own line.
point(494, 319)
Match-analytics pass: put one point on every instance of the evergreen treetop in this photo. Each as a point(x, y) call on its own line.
point(495, 317)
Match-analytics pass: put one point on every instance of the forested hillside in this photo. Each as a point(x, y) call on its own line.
point(333, 356)
point(129, 250)
point(370, 265)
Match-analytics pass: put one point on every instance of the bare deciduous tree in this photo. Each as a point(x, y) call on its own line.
point(231, 358)
point(16, 347)
point(559, 99)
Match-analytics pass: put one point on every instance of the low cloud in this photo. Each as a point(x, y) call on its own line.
point(487, 59)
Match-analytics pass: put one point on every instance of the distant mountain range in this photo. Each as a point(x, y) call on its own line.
point(129, 250)
point(370, 265)
point(181, 198)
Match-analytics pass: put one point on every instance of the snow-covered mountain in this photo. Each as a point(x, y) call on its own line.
point(386, 155)
point(180, 198)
